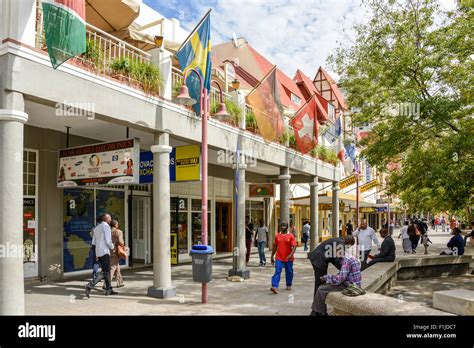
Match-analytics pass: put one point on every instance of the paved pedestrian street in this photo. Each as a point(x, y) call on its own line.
point(251, 297)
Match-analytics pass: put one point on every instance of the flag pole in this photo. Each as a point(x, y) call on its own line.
point(262, 80)
point(194, 30)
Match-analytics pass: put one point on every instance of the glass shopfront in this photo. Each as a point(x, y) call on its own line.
point(82, 207)
point(179, 222)
point(196, 222)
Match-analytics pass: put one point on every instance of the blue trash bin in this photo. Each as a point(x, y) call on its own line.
point(202, 263)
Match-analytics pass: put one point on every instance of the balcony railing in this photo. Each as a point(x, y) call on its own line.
point(102, 49)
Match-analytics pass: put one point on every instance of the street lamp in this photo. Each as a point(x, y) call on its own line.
point(183, 98)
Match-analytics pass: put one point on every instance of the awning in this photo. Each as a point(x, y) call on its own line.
point(112, 15)
point(326, 198)
point(144, 41)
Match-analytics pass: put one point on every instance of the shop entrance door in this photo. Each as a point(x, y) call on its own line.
point(141, 229)
point(223, 227)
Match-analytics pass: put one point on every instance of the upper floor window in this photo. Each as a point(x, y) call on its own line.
point(295, 99)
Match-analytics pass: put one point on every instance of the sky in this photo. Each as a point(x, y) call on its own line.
point(294, 34)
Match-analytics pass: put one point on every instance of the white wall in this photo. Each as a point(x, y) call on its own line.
point(17, 20)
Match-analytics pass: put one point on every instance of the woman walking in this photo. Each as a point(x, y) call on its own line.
point(406, 242)
point(414, 236)
point(117, 239)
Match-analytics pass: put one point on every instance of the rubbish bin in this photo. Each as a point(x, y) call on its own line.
point(202, 263)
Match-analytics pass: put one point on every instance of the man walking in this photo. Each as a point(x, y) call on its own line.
point(284, 248)
point(305, 231)
point(248, 237)
point(349, 228)
point(366, 236)
point(326, 253)
point(102, 240)
point(261, 238)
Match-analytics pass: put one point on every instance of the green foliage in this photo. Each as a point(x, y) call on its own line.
point(324, 154)
point(250, 120)
point(292, 140)
point(411, 77)
point(176, 87)
point(93, 53)
point(121, 66)
point(148, 75)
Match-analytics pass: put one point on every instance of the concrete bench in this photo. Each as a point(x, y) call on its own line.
point(376, 304)
point(458, 301)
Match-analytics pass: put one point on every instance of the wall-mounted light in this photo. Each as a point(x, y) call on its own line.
point(159, 40)
point(235, 84)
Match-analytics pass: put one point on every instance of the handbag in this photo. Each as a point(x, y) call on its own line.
point(121, 252)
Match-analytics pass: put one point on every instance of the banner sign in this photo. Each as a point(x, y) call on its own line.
point(370, 185)
point(262, 190)
point(350, 180)
point(367, 173)
point(174, 248)
point(367, 210)
point(185, 164)
point(113, 163)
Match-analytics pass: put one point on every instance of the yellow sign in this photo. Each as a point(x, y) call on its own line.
point(174, 248)
point(350, 180)
point(187, 163)
point(368, 186)
point(367, 210)
point(325, 206)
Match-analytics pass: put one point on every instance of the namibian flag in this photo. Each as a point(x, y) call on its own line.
point(64, 23)
point(196, 53)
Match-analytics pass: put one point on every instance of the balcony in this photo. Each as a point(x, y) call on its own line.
point(110, 57)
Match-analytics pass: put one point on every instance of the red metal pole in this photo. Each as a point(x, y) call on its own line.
point(205, 106)
point(357, 197)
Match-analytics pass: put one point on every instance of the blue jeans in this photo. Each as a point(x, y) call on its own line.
point(305, 241)
point(261, 252)
point(279, 265)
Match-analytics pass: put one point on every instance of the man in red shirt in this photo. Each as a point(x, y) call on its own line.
point(284, 247)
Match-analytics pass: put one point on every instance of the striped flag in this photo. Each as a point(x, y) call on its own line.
point(64, 23)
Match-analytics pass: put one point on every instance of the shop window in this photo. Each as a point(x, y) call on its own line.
point(29, 172)
point(179, 222)
point(196, 222)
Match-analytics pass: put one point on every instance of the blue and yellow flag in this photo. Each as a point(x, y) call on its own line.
point(196, 53)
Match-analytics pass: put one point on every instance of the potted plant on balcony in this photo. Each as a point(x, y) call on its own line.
point(232, 109)
point(148, 76)
point(120, 69)
point(93, 57)
point(251, 121)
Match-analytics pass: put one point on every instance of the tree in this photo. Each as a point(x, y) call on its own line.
point(410, 75)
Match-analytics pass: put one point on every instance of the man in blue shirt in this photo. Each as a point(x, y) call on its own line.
point(455, 244)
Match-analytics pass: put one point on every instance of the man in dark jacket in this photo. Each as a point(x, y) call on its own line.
point(324, 254)
point(387, 249)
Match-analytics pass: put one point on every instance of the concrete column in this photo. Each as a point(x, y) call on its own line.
point(12, 298)
point(162, 287)
point(284, 194)
point(162, 59)
point(240, 264)
point(17, 21)
point(335, 209)
point(314, 213)
point(239, 99)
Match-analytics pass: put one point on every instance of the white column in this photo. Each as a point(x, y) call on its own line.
point(162, 59)
point(12, 298)
point(284, 178)
point(162, 287)
point(335, 209)
point(239, 99)
point(314, 213)
point(241, 266)
point(18, 20)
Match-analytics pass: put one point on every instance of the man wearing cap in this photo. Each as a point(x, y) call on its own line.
point(284, 248)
